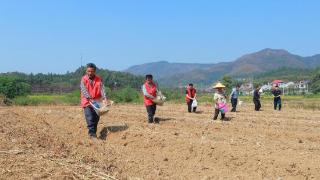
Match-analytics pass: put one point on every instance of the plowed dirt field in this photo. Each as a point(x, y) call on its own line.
point(50, 142)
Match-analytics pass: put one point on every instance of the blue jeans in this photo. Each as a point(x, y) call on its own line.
point(92, 120)
point(234, 102)
point(277, 102)
point(151, 110)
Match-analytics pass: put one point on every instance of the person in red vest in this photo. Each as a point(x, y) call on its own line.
point(191, 94)
point(92, 89)
point(149, 89)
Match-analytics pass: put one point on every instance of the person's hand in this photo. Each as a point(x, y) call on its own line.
point(106, 102)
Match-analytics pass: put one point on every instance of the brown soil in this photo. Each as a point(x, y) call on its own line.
point(50, 142)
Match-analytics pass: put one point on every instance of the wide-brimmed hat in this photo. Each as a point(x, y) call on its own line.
point(218, 85)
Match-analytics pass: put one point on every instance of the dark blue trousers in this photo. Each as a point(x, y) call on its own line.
point(234, 102)
point(277, 102)
point(151, 110)
point(92, 120)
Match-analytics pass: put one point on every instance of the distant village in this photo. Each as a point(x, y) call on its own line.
point(289, 88)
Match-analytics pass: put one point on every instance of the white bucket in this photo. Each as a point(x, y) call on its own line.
point(100, 107)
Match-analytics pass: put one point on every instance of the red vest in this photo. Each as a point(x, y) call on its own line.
point(191, 93)
point(152, 91)
point(94, 90)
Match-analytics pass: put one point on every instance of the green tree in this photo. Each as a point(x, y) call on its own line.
point(228, 82)
point(173, 94)
point(12, 87)
point(126, 94)
point(315, 83)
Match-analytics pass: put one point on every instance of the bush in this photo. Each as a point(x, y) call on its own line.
point(126, 95)
point(176, 95)
point(228, 82)
point(315, 83)
point(12, 87)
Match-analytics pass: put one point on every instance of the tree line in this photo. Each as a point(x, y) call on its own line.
point(15, 83)
point(124, 86)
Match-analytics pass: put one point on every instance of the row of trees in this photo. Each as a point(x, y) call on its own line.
point(14, 84)
point(315, 82)
point(121, 86)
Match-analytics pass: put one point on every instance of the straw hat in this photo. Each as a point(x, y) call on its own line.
point(219, 85)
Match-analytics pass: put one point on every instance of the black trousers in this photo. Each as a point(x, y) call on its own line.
point(92, 119)
point(190, 106)
point(276, 103)
point(216, 113)
point(151, 110)
point(257, 104)
point(234, 102)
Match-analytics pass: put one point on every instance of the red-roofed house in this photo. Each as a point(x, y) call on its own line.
point(277, 82)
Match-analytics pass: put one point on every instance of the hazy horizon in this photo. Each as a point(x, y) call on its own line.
point(84, 63)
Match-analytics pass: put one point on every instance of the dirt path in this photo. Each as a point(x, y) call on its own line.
point(51, 142)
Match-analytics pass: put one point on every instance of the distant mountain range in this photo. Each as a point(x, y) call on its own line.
point(177, 74)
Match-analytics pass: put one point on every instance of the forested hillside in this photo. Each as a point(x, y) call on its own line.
point(286, 74)
point(62, 83)
point(249, 65)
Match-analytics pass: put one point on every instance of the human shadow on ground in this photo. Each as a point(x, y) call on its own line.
point(227, 118)
point(112, 128)
point(198, 112)
point(163, 119)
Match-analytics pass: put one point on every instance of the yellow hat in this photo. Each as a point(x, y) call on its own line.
point(219, 85)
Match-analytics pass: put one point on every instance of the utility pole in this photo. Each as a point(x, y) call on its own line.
point(81, 60)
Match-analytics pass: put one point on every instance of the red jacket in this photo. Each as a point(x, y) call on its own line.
point(94, 90)
point(191, 93)
point(152, 91)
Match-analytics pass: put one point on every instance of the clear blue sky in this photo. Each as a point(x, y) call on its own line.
point(50, 36)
